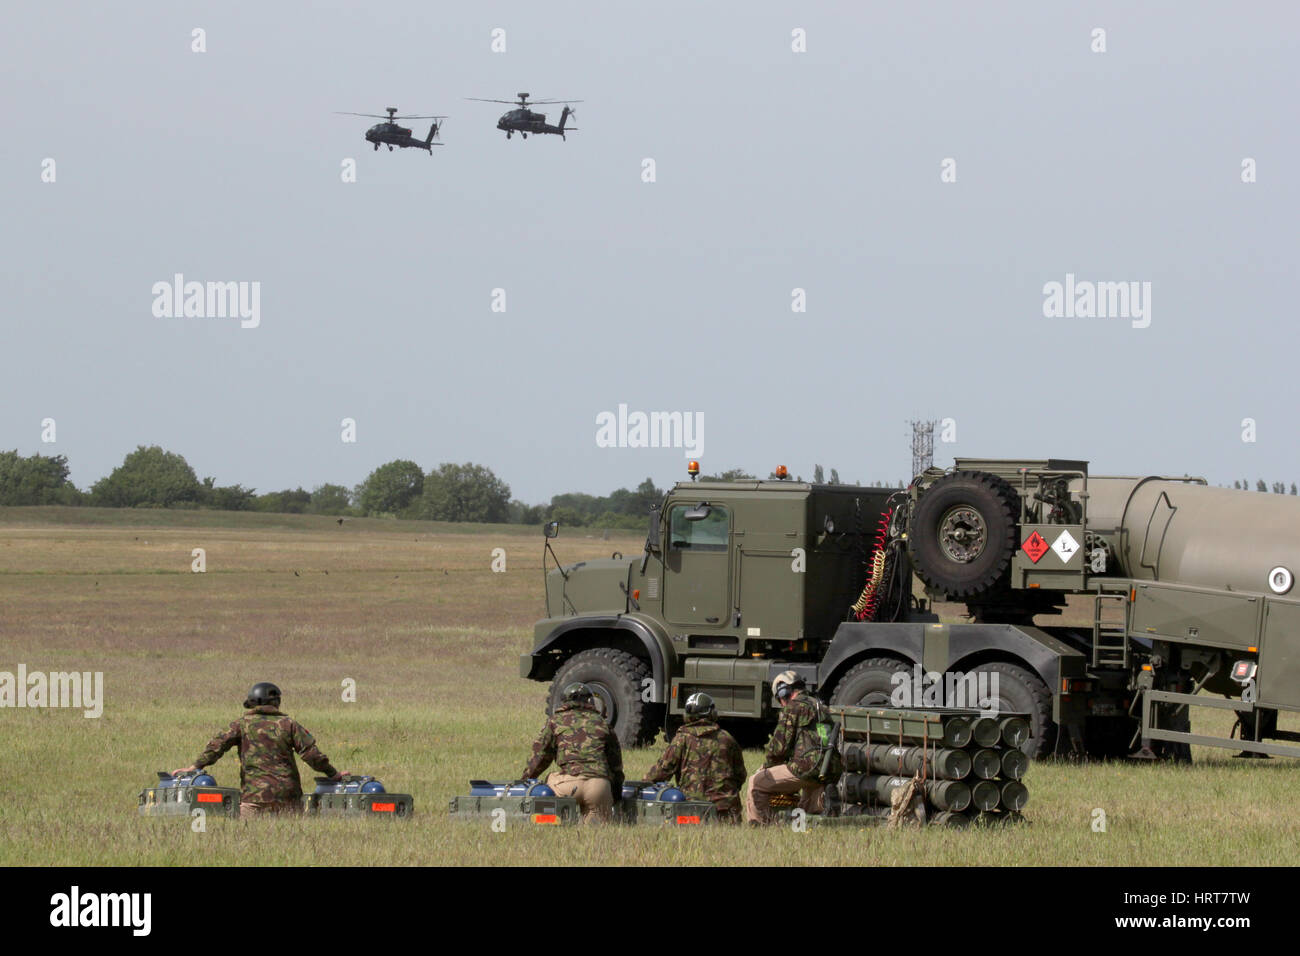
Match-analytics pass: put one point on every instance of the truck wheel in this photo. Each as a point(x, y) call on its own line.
point(963, 533)
point(1020, 692)
point(618, 680)
point(869, 684)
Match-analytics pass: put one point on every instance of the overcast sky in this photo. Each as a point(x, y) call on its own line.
point(774, 170)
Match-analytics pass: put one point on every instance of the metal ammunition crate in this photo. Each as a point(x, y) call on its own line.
point(183, 801)
point(667, 813)
point(542, 811)
point(359, 804)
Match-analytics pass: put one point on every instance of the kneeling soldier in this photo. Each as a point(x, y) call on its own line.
point(705, 759)
point(793, 753)
point(585, 751)
point(267, 741)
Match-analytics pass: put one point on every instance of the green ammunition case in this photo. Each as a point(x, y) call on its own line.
point(908, 726)
point(385, 805)
point(540, 811)
point(183, 801)
point(667, 813)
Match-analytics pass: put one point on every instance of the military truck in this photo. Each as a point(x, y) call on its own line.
point(1185, 591)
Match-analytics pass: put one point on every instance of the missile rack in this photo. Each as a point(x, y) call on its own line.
point(967, 767)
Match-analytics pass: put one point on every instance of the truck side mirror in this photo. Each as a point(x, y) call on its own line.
point(552, 529)
point(652, 533)
point(699, 512)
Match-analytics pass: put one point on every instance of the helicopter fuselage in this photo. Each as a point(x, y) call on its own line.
point(525, 121)
point(390, 134)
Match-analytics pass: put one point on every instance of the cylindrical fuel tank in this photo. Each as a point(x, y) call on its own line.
point(1181, 532)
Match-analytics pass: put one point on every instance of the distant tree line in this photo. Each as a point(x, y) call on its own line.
point(150, 477)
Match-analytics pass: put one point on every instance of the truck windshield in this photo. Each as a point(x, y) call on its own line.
point(710, 534)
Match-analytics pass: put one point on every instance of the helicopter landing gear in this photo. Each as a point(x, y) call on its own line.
point(508, 134)
point(524, 135)
point(376, 147)
point(390, 149)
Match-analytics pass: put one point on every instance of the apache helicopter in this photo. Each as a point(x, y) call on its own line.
point(524, 121)
point(391, 134)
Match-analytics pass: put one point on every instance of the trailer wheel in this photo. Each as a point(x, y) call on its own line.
point(869, 684)
point(1022, 692)
point(617, 678)
point(963, 532)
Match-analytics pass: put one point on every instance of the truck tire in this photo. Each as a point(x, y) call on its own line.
point(869, 684)
point(963, 533)
point(617, 678)
point(1021, 692)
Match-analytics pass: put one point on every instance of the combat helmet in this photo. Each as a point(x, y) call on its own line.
point(785, 682)
point(263, 693)
point(700, 704)
point(576, 693)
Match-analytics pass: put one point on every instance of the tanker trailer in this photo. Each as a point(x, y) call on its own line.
point(1191, 586)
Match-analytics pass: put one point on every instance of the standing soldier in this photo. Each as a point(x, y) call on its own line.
point(705, 759)
point(586, 753)
point(267, 741)
point(794, 753)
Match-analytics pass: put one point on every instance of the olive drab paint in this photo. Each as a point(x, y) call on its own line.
point(742, 580)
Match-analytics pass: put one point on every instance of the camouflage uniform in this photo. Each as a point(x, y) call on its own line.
point(791, 761)
point(708, 765)
point(268, 774)
point(587, 756)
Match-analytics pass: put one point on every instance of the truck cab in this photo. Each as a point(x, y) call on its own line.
point(737, 581)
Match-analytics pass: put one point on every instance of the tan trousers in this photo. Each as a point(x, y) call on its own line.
point(595, 795)
point(768, 782)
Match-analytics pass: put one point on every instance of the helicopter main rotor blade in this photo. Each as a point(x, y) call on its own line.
point(550, 102)
point(479, 99)
point(386, 116)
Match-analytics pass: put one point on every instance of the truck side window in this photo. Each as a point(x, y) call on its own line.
point(710, 534)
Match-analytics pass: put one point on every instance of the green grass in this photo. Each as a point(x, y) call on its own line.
point(431, 636)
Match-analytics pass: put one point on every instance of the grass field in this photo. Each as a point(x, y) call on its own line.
point(412, 612)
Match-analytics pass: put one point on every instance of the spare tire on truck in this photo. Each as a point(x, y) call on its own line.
point(963, 533)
